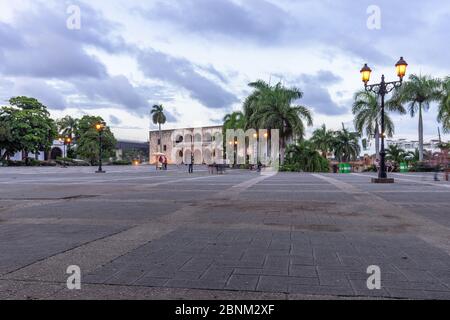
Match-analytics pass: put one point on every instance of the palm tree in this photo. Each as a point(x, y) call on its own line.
point(346, 145)
point(159, 118)
point(418, 92)
point(367, 117)
point(68, 127)
point(260, 88)
point(271, 107)
point(303, 157)
point(323, 139)
point(234, 120)
point(444, 105)
point(395, 154)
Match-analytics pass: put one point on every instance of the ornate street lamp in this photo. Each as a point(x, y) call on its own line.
point(100, 127)
point(382, 89)
point(65, 141)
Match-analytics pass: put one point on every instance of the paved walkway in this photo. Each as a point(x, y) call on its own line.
point(138, 233)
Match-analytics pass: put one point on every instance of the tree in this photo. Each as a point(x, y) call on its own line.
point(322, 139)
point(303, 157)
point(88, 144)
point(68, 127)
point(6, 138)
point(417, 93)
point(444, 105)
point(396, 154)
point(270, 107)
point(30, 127)
point(366, 110)
point(235, 120)
point(346, 145)
point(159, 118)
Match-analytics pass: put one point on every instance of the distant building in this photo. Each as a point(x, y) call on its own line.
point(57, 151)
point(412, 145)
point(186, 140)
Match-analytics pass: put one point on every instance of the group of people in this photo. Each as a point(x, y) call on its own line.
point(161, 164)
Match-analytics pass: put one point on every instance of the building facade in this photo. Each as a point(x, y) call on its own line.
point(179, 144)
point(412, 145)
point(57, 150)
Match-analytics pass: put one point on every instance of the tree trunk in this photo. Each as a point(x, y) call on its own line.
point(160, 139)
point(377, 142)
point(282, 150)
point(420, 133)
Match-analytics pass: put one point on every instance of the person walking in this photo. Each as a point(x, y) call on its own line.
point(191, 164)
point(165, 163)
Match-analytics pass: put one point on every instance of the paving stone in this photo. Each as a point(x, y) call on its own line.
point(303, 271)
point(282, 283)
point(196, 284)
point(242, 282)
point(321, 290)
point(151, 281)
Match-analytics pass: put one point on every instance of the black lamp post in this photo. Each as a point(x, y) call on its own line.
point(66, 141)
point(100, 128)
point(382, 89)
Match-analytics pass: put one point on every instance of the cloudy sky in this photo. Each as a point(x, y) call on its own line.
point(196, 57)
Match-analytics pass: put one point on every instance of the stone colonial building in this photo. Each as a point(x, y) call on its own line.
point(179, 144)
point(57, 150)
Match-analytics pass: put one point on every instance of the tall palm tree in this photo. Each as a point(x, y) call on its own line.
point(271, 108)
point(159, 118)
point(444, 105)
point(322, 139)
point(368, 118)
point(346, 145)
point(417, 93)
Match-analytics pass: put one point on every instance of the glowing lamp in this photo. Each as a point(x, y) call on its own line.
point(400, 66)
point(365, 73)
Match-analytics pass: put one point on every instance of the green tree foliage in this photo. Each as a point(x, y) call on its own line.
point(396, 154)
point(88, 140)
point(272, 107)
point(234, 120)
point(68, 127)
point(323, 140)
point(417, 93)
point(444, 105)
point(29, 127)
point(367, 120)
point(303, 157)
point(346, 145)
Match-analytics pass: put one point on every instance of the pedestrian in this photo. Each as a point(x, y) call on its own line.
point(191, 164)
point(259, 166)
point(436, 169)
point(165, 163)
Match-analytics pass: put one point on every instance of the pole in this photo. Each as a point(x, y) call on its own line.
point(65, 155)
point(382, 174)
point(100, 152)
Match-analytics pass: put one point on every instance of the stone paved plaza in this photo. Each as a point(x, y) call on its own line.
point(141, 234)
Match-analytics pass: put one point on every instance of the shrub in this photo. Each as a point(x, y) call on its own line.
point(303, 157)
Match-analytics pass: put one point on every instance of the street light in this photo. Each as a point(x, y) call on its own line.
point(65, 141)
point(100, 127)
point(382, 89)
